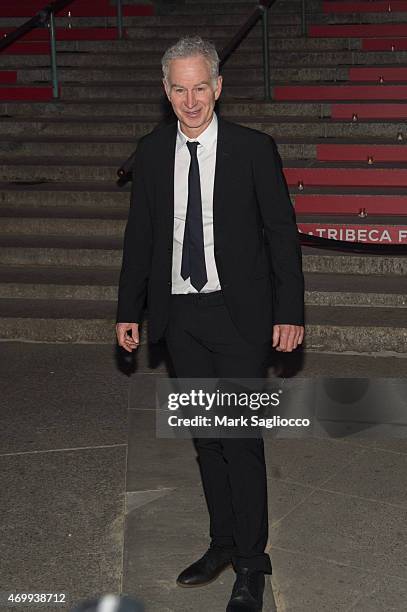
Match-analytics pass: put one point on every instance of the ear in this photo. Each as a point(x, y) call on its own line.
point(167, 89)
point(218, 89)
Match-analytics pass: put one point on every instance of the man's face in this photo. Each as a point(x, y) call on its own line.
point(192, 93)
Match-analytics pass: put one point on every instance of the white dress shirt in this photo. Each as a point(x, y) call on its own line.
point(206, 153)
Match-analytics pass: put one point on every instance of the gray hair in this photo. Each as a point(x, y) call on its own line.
point(187, 47)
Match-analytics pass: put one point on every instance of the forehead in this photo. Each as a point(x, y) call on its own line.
point(195, 68)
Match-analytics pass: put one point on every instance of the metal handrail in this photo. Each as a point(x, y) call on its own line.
point(260, 12)
point(44, 17)
point(39, 20)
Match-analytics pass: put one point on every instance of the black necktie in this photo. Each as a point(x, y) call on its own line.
point(193, 254)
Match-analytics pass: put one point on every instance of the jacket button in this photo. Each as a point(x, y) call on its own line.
point(225, 285)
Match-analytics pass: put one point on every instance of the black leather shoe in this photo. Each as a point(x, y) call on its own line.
point(206, 569)
point(247, 593)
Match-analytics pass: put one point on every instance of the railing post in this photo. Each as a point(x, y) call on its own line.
point(304, 17)
point(54, 71)
point(119, 19)
point(266, 62)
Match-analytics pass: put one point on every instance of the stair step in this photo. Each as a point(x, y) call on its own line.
point(361, 152)
point(153, 110)
point(57, 320)
point(340, 92)
point(335, 262)
point(88, 225)
point(371, 176)
point(47, 282)
point(384, 44)
point(379, 6)
point(375, 73)
point(91, 28)
point(229, 8)
point(158, 45)
point(354, 290)
point(138, 77)
point(368, 30)
point(242, 58)
point(367, 110)
point(80, 8)
point(350, 204)
point(356, 329)
point(279, 5)
point(278, 127)
point(307, 172)
point(27, 48)
point(20, 92)
point(50, 282)
point(62, 33)
point(15, 148)
point(102, 252)
point(71, 226)
point(8, 76)
point(26, 196)
point(67, 170)
point(158, 111)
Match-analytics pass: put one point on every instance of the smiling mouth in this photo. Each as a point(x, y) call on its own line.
point(192, 114)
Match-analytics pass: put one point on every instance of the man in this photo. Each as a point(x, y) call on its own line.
point(211, 241)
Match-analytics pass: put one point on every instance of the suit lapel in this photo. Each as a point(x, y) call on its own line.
point(165, 179)
point(223, 174)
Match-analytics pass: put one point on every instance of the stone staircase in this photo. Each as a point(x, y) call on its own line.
point(63, 214)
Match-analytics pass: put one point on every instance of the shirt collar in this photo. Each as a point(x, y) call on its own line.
point(206, 139)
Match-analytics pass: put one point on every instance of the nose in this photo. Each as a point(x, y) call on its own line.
point(191, 99)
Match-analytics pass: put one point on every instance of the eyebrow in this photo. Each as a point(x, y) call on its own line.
point(197, 85)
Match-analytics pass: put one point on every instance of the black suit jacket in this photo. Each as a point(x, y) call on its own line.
point(257, 250)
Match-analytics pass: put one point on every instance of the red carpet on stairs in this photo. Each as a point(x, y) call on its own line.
point(361, 152)
point(369, 111)
point(379, 6)
point(353, 177)
point(68, 34)
point(384, 44)
point(37, 40)
point(8, 76)
point(340, 92)
point(78, 8)
point(333, 204)
point(37, 93)
point(378, 73)
point(28, 48)
point(358, 31)
point(353, 165)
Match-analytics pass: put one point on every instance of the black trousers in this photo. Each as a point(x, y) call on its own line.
point(203, 342)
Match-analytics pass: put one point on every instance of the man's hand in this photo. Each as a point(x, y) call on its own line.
point(286, 338)
point(123, 337)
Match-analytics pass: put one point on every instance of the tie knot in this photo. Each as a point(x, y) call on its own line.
point(192, 146)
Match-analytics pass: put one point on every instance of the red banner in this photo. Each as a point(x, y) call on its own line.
point(396, 234)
